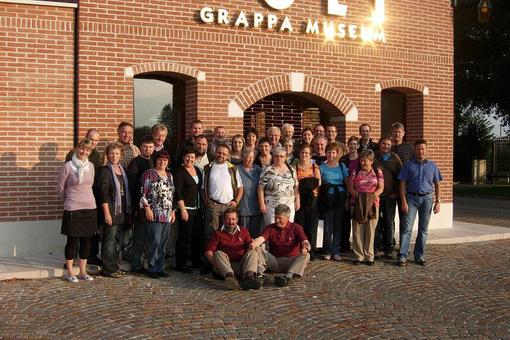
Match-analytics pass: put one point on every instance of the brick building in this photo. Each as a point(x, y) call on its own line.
point(67, 66)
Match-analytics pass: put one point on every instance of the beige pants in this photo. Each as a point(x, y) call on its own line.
point(292, 264)
point(251, 262)
point(363, 239)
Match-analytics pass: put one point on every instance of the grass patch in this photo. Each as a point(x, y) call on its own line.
point(482, 190)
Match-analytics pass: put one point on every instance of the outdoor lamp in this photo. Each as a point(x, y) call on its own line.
point(484, 11)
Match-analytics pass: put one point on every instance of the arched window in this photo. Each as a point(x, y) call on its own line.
point(158, 99)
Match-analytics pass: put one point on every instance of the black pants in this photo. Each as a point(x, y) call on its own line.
point(307, 217)
point(72, 244)
point(190, 233)
point(345, 234)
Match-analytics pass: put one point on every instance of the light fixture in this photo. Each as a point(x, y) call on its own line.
point(377, 8)
point(484, 11)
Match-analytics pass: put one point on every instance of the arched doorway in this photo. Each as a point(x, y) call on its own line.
point(300, 109)
point(159, 98)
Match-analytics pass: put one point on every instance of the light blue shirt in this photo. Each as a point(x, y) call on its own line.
point(249, 205)
point(335, 175)
point(420, 177)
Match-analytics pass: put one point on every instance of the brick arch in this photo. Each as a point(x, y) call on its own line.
point(402, 84)
point(295, 83)
point(164, 66)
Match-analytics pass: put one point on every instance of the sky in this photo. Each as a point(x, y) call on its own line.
point(150, 97)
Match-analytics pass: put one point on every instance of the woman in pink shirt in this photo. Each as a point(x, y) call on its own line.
point(79, 221)
point(365, 186)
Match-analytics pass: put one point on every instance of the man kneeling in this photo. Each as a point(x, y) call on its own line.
point(288, 246)
point(229, 253)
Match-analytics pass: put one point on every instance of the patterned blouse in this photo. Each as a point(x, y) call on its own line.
point(367, 182)
point(278, 187)
point(158, 192)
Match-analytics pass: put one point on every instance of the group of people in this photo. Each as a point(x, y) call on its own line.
point(245, 205)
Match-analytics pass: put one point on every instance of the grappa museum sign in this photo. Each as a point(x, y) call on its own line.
point(371, 31)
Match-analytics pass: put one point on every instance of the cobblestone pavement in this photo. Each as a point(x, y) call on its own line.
point(495, 212)
point(463, 292)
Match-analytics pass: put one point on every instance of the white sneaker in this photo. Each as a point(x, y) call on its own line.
point(337, 258)
point(326, 257)
point(71, 278)
point(86, 277)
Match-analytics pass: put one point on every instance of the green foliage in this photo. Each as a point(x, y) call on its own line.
point(473, 140)
point(168, 117)
point(482, 59)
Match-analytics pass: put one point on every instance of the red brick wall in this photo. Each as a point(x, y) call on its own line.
point(119, 34)
point(36, 108)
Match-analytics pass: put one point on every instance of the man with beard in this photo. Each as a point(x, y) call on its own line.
point(203, 155)
point(219, 137)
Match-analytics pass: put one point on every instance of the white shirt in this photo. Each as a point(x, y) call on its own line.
point(200, 163)
point(220, 188)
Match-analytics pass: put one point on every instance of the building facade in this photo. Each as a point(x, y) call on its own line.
point(67, 66)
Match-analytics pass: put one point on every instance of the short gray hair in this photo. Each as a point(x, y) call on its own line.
point(288, 125)
point(274, 128)
point(282, 209)
point(398, 125)
point(246, 152)
point(279, 150)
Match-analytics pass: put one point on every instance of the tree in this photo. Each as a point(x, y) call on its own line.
point(167, 117)
point(482, 60)
point(473, 140)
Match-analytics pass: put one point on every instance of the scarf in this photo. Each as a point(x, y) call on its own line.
point(80, 167)
point(118, 197)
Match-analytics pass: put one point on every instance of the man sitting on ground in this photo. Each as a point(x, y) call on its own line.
point(288, 246)
point(228, 252)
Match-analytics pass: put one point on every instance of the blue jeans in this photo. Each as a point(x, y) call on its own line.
point(157, 237)
point(333, 219)
point(422, 206)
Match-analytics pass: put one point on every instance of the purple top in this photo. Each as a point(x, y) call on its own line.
point(76, 196)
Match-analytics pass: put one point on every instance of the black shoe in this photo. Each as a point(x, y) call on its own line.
point(251, 283)
point(154, 275)
point(421, 263)
point(389, 256)
point(163, 274)
point(281, 281)
point(141, 270)
point(114, 275)
point(370, 263)
point(356, 262)
point(196, 265)
point(217, 276)
point(206, 268)
point(94, 260)
point(185, 269)
point(267, 279)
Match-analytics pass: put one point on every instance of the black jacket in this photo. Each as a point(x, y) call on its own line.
point(185, 187)
point(105, 188)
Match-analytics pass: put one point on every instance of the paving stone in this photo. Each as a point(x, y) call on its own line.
point(463, 292)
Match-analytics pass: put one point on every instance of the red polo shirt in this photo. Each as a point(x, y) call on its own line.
point(234, 245)
point(284, 241)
